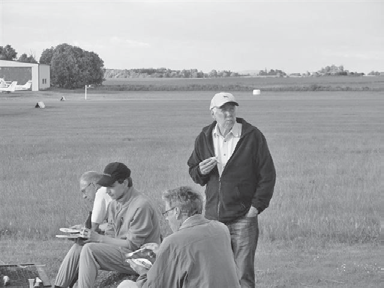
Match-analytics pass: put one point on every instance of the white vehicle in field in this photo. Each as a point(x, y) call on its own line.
point(10, 88)
point(3, 83)
point(26, 86)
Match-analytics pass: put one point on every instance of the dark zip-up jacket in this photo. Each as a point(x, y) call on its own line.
point(248, 177)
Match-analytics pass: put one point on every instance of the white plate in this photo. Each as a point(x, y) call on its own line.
point(69, 230)
point(142, 262)
point(70, 236)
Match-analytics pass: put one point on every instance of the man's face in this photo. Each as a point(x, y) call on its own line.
point(117, 190)
point(225, 115)
point(171, 216)
point(88, 189)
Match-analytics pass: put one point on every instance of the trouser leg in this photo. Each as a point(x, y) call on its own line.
point(95, 256)
point(244, 235)
point(68, 270)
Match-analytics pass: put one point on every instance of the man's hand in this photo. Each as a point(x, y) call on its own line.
point(138, 268)
point(77, 227)
point(89, 236)
point(151, 246)
point(252, 212)
point(93, 236)
point(207, 165)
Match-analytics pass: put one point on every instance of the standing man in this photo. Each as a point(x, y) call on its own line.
point(232, 159)
point(132, 222)
point(197, 255)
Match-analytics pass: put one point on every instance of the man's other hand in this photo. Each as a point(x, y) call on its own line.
point(252, 212)
point(207, 165)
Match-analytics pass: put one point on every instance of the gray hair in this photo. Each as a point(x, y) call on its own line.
point(187, 199)
point(91, 177)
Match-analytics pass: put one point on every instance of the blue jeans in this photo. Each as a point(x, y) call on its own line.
point(244, 234)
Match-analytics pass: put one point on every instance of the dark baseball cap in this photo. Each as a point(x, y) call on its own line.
point(113, 172)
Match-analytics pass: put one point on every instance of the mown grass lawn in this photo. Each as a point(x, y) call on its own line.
point(321, 229)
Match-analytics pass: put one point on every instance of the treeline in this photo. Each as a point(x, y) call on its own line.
point(167, 73)
point(334, 70)
point(375, 73)
point(10, 54)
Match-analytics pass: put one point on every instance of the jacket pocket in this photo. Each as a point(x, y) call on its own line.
point(231, 200)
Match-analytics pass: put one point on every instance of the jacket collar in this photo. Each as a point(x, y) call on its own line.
point(194, 220)
point(235, 131)
point(245, 127)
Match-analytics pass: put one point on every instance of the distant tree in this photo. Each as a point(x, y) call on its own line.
point(27, 59)
point(201, 74)
point(72, 67)
point(333, 70)
point(374, 73)
point(185, 73)
point(213, 74)
point(47, 55)
point(95, 68)
point(7, 53)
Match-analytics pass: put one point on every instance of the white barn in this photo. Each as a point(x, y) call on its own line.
point(40, 74)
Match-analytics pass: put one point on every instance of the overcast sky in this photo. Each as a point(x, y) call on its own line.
point(293, 36)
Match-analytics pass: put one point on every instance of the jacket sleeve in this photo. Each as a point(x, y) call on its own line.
point(163, 273)
point(193, 163)
point(266, 176)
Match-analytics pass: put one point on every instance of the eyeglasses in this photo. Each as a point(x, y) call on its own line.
point(165, 213)
point(83, 190)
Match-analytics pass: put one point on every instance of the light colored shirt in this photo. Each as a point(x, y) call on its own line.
point(100, 205)
point(224, 146)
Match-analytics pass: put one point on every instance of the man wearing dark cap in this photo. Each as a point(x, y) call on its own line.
point(132, 222)
point(231, 157)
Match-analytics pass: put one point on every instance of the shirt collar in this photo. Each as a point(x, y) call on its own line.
point(235, 131)
point(193, 220)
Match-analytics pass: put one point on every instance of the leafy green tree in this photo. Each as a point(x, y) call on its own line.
point(27, 59)
point(73, 67)
point(7, 53)
point(64, 69)
point(213, 74)
point(46, 56)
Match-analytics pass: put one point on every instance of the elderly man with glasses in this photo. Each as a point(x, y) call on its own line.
point(96, 196)
point(197, 254)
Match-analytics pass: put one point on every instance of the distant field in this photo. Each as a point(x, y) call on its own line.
point(340, 83)
point(326, 147)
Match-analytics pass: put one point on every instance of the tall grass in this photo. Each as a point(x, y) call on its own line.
point(325, 147)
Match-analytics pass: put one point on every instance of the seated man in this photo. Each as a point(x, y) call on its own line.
point(197, 254)
point(132, 222)
point(97, 196)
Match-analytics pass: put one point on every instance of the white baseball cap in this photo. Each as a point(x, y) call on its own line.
point(221, 98)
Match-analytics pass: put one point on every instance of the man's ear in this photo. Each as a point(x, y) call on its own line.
point(178, 212)
point(213, 113)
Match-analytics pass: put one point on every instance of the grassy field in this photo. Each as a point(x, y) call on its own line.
point(322, 228)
